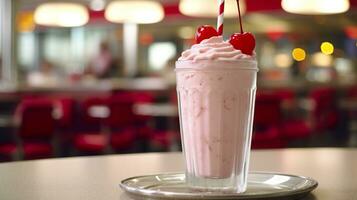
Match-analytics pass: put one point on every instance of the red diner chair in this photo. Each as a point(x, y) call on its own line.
point(267, 119)
point(65, 109)
point(325, 112)
point(162, 140)
point(352, 92)
point(145, 133)
point(91, 138)
point(140, 97)
point(121, 123)
point(164, 136)
point(288, 99)
point(65, 112)
point(36, 127)
point(8, 147)
point(352, 96)
point(293, 127)
point(286, 94)
point(7, 151)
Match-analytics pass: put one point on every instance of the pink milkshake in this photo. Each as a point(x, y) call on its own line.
point(216, 86)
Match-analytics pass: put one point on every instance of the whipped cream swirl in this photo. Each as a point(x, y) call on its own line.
point(214, 48)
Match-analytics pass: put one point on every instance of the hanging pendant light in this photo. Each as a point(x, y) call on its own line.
point(315, 7)
point(61, 14)
point(209, 8)
point(134, 11)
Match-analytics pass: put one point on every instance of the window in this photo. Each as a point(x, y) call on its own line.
point(160, 53)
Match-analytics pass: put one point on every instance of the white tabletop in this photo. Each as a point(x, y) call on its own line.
point(97, 178)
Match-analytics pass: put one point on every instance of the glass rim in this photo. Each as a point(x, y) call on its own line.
point(225, 64)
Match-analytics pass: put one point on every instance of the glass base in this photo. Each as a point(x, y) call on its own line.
point(232, 184)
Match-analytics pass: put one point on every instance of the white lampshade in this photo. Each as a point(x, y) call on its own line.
point(97, 5)
point(210, 8)
point(133, 11)
point(315, 7)
point(61, 14)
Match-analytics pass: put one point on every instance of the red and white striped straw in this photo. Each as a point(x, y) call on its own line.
point(220, 18)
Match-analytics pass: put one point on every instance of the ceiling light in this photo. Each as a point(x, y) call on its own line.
point(209, 8)
point(134, 11)
point(315, 7)
point(97, 5)
point(61, 14)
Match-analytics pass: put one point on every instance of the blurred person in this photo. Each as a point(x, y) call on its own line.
point(168, 72)
point(47, 75)
point(102, 64)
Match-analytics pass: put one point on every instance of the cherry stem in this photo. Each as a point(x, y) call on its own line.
point(240, 18)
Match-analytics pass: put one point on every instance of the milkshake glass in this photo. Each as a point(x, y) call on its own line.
point(216, 87)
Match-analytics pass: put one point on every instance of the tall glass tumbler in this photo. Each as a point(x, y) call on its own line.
point(216, 108)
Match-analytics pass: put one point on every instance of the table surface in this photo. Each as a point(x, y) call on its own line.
point(94, 178)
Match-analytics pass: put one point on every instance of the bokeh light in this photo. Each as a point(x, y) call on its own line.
point(315, 7)
point(283, 60)
point(59, 14)
point(208, 8)
point(25, 21)
point(186, 32)
point(299, 54)
point(137, 12)
point(321, 60)
point(327, 48)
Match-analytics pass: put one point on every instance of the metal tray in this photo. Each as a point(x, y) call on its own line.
point(261, 185)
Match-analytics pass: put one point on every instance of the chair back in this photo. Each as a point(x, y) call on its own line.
point(121, 113)
point(267, 109)
point(65, 108)
point(36, 116)
point(325, 112)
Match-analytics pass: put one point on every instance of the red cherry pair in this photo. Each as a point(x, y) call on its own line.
point(240, 41)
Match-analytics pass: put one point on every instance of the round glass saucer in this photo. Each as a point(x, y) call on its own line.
point(261, 185)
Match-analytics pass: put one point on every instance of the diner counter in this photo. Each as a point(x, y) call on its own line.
point(151, 84)
point(93, 178)
point(93, 85)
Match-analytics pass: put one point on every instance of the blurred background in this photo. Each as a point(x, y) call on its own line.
point(90, 77)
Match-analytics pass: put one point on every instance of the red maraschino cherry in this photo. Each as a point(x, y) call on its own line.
point(205, 32)
point(243, 41)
